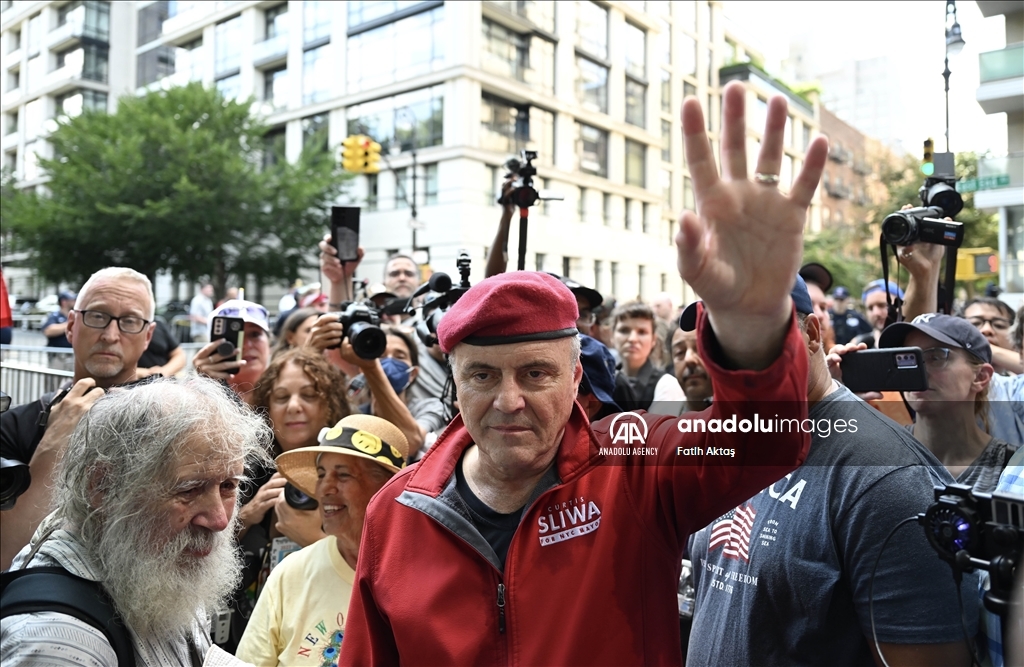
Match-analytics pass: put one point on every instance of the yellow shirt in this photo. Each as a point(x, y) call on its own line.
point(299, 617)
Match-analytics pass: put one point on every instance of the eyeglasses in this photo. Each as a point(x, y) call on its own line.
point(997, 323)
point(408, 273)
point(97, 319)
point(936, 357)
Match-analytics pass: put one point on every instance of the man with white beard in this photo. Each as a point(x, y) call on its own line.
point(145, 504)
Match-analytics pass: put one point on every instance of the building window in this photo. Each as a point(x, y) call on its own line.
point(566, 266)
point(606, 208)
point(687, 55)
point(591, 150)
point(277, 21)
point(689, 203)
point(635, 41)
point(541, 14)
point(598, 270)
point(274, 147)
point(581, 205)
point(360, 12)
point(636, 158)
point(11, 161)
point(615, 278)
point(592, 28)
point(12, 123)
point(397, 51)
point(419, 114)
point(402, 190)
point(429, 184)
point(641, 279)
point(275, 87)
point(227, 45)
point(490, 185)
point(807, 136)
point(711, 114)
point(711, 67)
point(188, 58)
point(663, 43)
point(591, 85)
point(316, 75)
point(372, 191)
point(666, 141)
point(13, 41)
point(95, 18)
point(646, 220)
point(96, 59)
point(665, 181)
point(689, 90)
point(629, 213)
point(314, 132)
point(13, 79)
point(666, 91)
point(154, 65)
point(151, 22)
point(230, 87)
point(74, 103)
point(636, 103)
point(509, 128)
point(538, 261)
point(316, 20)
point(521, 57)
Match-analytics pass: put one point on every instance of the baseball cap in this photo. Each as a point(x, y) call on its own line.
point(801, 299)
point(312, 299)
point(879, 286)
point(247, 310)
point(598, 370)
point(841, 293)
point(512, 307)
point(813, 272)
point(592, 296)
point(953, 331)
point(67, 296)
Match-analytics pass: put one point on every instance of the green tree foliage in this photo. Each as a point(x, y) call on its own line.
point(174, 181)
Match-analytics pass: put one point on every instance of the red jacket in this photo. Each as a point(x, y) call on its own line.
point(592, 571)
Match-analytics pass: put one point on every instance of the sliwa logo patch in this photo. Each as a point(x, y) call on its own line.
point(568, 519)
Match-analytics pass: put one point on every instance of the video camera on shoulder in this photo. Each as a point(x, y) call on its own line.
point(361, 322)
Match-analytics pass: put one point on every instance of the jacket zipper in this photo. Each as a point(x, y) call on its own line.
point(501, 608)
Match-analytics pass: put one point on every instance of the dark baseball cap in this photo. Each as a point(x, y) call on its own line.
point(592, 296)
point(813, 272)
point(841, 293)
point(67, 296)
point(953, 331)
point(801, 299)
point(598, 370)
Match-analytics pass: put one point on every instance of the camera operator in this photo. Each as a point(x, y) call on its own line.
point(388, 379)
point(109, 329)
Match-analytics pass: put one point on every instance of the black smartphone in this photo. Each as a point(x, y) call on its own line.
point(231, 332)
point(345, 232)
point(887, 369)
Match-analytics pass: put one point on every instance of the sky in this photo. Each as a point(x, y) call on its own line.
point(912, 34)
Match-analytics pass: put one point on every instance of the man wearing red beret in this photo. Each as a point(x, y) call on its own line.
point(528, 536)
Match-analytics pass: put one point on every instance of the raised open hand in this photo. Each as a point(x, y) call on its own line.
point(741, 250)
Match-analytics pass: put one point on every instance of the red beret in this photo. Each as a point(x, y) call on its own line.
point(510, 308)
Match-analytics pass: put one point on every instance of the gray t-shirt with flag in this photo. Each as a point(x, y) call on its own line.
point(783, 579)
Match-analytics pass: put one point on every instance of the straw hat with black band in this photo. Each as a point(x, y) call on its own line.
point(360, 436)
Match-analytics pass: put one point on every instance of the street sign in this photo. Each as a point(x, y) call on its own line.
point(983, 183)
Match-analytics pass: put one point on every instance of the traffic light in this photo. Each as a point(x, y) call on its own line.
point(370, 156)
point(974, 263)
point(928, 163)
point(351, 153)
point(360, 154)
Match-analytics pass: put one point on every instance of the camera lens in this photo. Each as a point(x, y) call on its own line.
point(298, 499)
point(368, 340)
point(899, 229)
point(946, 198)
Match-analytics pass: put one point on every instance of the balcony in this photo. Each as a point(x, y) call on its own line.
point(837, 153)
point(1002, 79)
point(9, 140)
point(69, 33)
point(190, 18)
point(67, 77)
point(270, 51)
point(838, 190)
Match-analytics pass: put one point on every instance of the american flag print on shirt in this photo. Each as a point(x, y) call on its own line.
point(732, 533)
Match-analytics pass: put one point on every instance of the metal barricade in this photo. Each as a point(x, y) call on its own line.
point(25, 383)
point(60, 358)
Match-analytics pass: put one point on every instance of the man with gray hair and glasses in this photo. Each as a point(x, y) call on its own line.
point(109, 329)
point(145, 506)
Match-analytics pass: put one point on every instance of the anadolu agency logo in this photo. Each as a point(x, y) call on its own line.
point(628, 429)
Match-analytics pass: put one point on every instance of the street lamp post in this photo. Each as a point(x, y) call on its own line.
point(954, 45)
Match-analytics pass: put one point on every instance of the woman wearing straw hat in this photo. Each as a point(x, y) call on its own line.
point(299, 618)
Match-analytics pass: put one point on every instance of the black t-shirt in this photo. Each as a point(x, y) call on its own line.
point(160, 347)
point(496, 528)
point(20, 432)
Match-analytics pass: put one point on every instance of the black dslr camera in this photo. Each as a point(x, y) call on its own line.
point(924, 224)
point(361, 324)
point(972, 530)
point(522, 194)
point(434, 308)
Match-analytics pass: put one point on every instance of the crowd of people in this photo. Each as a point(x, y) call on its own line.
point(527, 490)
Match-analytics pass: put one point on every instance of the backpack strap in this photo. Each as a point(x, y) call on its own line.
point(57, 590)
